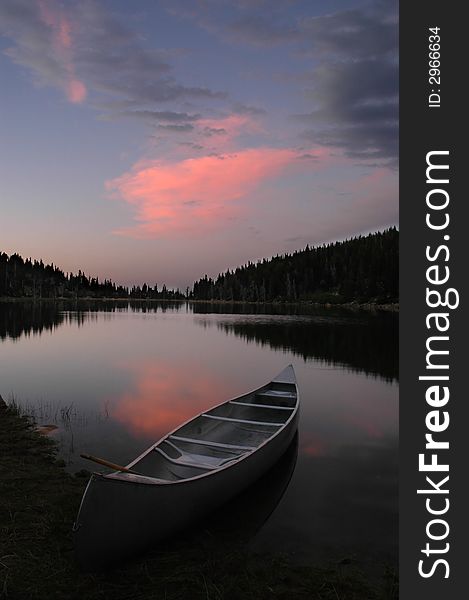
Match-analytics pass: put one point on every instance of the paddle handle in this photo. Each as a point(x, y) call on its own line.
point(106, 463)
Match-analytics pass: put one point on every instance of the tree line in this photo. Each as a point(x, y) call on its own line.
point(33, 279)
point(361, 269)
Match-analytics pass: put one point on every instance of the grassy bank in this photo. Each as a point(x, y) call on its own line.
point(38, 504)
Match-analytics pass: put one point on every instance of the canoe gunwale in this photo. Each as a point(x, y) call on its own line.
point(120, 477)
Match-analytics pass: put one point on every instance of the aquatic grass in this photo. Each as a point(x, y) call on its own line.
point(64, 415)
point(38, 504)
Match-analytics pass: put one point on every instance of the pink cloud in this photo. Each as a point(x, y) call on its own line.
point(196, 194)
point(64, 33)
point(76, 91)
point(61, 32)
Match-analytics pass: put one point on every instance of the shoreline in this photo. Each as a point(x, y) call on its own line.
point(352, 305)
point(38, 505)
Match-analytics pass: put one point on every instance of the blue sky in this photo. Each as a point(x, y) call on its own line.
point(159, 141)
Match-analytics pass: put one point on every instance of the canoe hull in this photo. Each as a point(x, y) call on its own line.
point(119, 518)
point(124, 513)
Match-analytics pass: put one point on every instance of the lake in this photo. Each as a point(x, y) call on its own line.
point(110, 378)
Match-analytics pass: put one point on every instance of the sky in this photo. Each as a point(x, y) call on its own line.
point(163, 140)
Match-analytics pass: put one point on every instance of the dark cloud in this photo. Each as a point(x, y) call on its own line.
point(353, 78)
point(114, 59)
point(244, 109)
point(107, 56)
point(357, 108)
point(260, 30)
point(250, 4)
point(354, 34)
point(209, 131)
point(362, 142)
point(192, 145)
point(33, 47)
point(161, 115)
point(257, 22)
point(307, 156)
point(355, 86)
point(177, 128)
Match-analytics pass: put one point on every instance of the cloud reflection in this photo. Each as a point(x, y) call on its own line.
point(165, 396)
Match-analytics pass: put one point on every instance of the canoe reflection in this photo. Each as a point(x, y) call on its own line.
point(239, 520)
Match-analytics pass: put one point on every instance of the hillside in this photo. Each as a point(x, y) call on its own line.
point(363, 269)
point(20, 278)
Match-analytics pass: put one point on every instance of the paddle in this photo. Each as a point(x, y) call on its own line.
point(107, 463)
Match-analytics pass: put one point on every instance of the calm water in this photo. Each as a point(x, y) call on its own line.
point(114, 378)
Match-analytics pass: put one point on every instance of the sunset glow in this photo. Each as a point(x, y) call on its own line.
point(188, 138)
point(76, 91)
point(198, 193)
point(61, 41)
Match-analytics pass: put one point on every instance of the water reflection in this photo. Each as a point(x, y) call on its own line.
point(163, 398)
point(26, 318)
point(114, 377)
point(243, 517)
point(362, 341)
point(352, 340)
point(348, 507)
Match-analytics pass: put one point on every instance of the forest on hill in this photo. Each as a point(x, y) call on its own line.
point(33, 279)
point(363, 269)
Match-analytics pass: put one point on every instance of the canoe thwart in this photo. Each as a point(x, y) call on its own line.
point(179, 438)
point(262, 405)
point(276, 394)
point(210, 458)
point(198, 461)
point(232, 420)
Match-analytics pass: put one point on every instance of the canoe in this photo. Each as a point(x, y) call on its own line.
point(185, 475)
